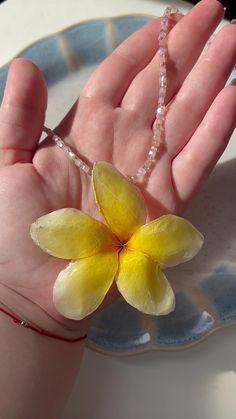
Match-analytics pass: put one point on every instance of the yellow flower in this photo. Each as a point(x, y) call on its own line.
point(130, 251)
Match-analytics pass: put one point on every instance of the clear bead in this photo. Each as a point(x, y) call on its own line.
point(152, 153)
point(67, 149)
point(162, 80)
point(155, 140)
point(162, 52)
point(161, 124)
point(162, 92)
point(162, 71)
point(134, 179)
point(160, 110)
point(141, 171)
point(72, 155)
point(164, 23)
point(163, 42)
point(148, 164)
point(89, 171)
point(167, 12)
point(156, 126)
point(59, 142)
point(161, 36)
point(78, 162)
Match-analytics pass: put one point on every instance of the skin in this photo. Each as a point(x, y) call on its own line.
point(112, 122)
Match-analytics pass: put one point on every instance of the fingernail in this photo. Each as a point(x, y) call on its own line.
point(233, 21)
point(233, 82)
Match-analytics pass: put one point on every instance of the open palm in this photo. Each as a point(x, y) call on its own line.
point(112, 122)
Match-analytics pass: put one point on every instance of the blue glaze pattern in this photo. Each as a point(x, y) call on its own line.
point(41, 55)
point(185, 325)
point(125, 27)
point(87, 42)
point(220, 287)
point(125, 329)
point(232, 76)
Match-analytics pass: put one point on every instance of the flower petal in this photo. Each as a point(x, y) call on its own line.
point(120, 202)
point(143, 284)
point(169, 240)
point(70, 234)
point(82, 286)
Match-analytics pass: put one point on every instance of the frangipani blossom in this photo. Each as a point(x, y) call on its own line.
point(125, 250)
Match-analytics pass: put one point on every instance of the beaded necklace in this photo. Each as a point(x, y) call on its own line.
point(158, 137)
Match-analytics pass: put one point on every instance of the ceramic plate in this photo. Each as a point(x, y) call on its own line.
point(206, 287)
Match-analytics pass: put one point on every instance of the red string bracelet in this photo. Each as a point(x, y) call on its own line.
point(40, 331)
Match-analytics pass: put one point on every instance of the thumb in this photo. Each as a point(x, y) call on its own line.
point(22, 112)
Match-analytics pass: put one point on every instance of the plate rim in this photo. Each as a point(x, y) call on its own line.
point(159, 348)
point(74, 25)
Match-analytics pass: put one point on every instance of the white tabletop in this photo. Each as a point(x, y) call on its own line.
point(198, 383)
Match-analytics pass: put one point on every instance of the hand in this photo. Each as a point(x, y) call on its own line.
point(113, 122)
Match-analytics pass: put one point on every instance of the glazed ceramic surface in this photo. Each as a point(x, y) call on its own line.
point(206, 287)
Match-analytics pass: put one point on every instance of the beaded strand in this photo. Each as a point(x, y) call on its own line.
point(63, 146)
point(159, 124)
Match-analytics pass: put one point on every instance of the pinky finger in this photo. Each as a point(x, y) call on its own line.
point(196, 160)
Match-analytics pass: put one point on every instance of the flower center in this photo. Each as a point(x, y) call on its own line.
point(121, 246)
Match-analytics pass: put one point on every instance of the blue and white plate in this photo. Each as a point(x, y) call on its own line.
point(206, 287)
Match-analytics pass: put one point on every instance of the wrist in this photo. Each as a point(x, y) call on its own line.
point(37, 373)
point(38, 319)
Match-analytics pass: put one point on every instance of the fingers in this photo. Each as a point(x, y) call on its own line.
point(199, 156)
point(22, 112)
point(186, 41)
point(111, 79)
point(200, 89)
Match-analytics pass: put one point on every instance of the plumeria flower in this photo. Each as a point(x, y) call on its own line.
point(125, 250)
